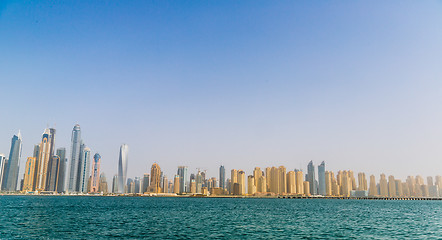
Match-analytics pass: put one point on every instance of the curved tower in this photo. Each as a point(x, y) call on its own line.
point(122, 167)
point(74, 158)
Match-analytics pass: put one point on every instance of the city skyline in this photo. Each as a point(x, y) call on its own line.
point(356, 85)
point(45, 171)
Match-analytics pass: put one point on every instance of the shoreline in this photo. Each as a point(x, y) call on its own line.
point(230, 196)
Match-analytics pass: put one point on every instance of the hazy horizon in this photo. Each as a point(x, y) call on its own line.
point(242, 84)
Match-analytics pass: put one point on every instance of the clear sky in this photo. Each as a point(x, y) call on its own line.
point(357, 84)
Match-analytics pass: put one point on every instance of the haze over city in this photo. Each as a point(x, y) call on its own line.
point(224, 83)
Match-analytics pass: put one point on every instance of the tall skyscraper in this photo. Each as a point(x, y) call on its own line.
point(182, 173)
point(155, 180)
point(29, 175)
point(222, 177)
point(310, 177)
point(383, 186)
point(2, 168)
point(10, 177)
point(122, 167)
point(146, 182)
point(62, 165)
point(291, 182)
point(84, 168)
point(115, 184)
point(53, 173)
point(299, 181)
point(176, 184)
point(95, 180)
point(74, 158)
point(282, 175)
point(242, 182)
point(51, 179)
point(102, 187)
point(43, 161)
point(321, 179)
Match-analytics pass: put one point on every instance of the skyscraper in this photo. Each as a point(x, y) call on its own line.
point(222, 177)
point(10, 177)
point(84, 168)
point(182, 173)
point(102, 187)
point(122, 167)
point(176, 184)
point(146, 182)
point(321, 179)
point(310, 177)
point(51, 179)
point(74, 158)
point(115, 184)
point(2, 168)
point(43, 161)
point(29, 175)
point(53, 173)
point(61, 179)
point(155, 173)
point(95, 180)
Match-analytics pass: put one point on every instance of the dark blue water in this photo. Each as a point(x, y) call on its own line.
point(189, 218)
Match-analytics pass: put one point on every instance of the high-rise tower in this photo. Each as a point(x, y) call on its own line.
point(310, 177)
point(74, 158)
point(43, 161)
point(222, 177)
point(84, 168)
point(11, 170)
point(182, 173)
point(95, 177)
point(61, 178)
point(122, 167)
point(155, 173)
point(321, 179)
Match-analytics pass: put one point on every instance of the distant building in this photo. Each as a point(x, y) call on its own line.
point(115, 184)
point(62, 170)
point(310, 177)
point(2, 168)
point(10, 176)
point(155, 180)
point(74, 159)
point(321, 179)
point(182, 173)
point(84, 168)
point(29, 175)
point(102, 187)
point(122, 167)
point(146, 182)
point(222, 177)
point(95, 176)
point(176, 184)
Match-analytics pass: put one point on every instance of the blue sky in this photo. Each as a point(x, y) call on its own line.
point(240, 83)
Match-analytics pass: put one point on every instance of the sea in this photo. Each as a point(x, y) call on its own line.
point(87, 217)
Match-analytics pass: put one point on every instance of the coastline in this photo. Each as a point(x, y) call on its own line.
point(229, 196)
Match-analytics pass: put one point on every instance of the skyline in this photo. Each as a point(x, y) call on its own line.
point(356, 85)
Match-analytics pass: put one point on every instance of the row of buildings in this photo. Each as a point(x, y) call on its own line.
point(279, 181)
point(47, 170)
point(52, 170)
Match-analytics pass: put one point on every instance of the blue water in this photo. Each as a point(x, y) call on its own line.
point(56, 217)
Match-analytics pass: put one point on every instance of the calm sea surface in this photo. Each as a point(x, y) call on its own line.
point(33, 217)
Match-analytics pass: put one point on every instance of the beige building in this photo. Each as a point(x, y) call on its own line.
point(155, 179)
point(299, 182)
point(383, 186)
point(306, 188)
point(391, 186)
point(251, 188)
point(291, 182)
point(362, 180)
point(282, 183)
point(262, 185)
point(176, 184)
point(29, 175)
point(242, 182)
point(373, 191)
